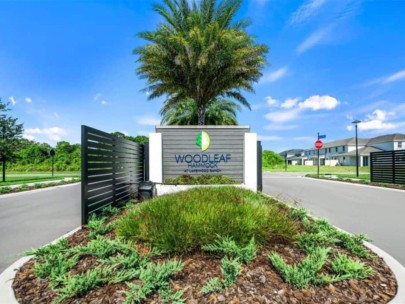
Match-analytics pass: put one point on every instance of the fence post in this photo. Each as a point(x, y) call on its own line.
point(84, 179)
point(371, 167)
point(259, 166)
point(146, 161)
point(393, 168)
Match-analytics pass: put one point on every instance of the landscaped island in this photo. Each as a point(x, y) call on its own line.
point(206, 245)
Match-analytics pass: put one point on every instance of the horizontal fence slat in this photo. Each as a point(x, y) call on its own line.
point(112, 169)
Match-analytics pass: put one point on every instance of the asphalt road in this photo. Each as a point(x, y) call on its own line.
point(34, 218)
point(377, 212)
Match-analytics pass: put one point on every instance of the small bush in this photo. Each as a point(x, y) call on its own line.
point(228, 246)
point(97, 226)
point(344, 266)
point(155, 277)
point(299, 213)
point(4, 190)
point(203, 179)
point(303, 273)
point(184, 221)
point(230, 269)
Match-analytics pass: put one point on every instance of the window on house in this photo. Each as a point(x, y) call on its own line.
point(336, 149)
point(329, 150)
point(343, 148)
point(400, 144)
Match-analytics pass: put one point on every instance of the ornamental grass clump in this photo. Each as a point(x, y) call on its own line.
point(188, 220)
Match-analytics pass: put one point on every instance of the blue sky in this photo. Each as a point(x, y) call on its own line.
point(68, 63)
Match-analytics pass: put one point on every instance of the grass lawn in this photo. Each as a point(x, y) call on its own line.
point(11, 180)
point(322, 169)
point(64, 173)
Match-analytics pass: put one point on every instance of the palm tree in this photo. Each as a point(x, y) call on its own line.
point(185, 112)
point(200, 53)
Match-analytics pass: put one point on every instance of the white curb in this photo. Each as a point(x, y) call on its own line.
point(7, 276)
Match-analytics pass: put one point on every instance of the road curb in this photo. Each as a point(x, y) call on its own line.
point(36, 190)
point(7, 276)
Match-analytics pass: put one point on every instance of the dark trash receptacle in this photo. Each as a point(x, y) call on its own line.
point(146, 190)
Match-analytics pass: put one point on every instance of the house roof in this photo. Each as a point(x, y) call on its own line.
point(291, 152)
point(365, 151)
point(387, 138)
point(344, 142)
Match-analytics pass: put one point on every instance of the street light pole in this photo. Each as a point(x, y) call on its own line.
point(356, 122)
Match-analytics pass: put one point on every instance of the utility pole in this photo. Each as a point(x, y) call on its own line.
point(356, 122)
point(3, 157)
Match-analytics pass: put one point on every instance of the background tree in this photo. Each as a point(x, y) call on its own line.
point(10, 132)
point(140, 139)
point(185, 112)
point(271, 159)
point(200, 52)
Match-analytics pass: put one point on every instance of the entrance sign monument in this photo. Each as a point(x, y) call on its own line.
point(196, 150)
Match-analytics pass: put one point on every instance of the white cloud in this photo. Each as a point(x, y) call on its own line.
point(97, 96)
point(103, 102)
point(147, 120)
point(394, 77)
point(274, 76)
point(317, 102)
point(289, 103)
point(28, 99)
point(377, 120)
point(306, 11)
point(314, 39)
point(279, 127)
point(29, 137)
point(283, 116)
point(268, 138)
point(270, 101)
point(400, 75)
point(54, 134)
point(12, 100)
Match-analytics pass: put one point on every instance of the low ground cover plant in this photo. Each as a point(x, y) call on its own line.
point(203, 179)
point(145, 250)
point(185, 221)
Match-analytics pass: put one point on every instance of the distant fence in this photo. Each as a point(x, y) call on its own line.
point(388, 167)
point(112, 169)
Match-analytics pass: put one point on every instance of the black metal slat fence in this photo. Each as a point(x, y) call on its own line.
point(112, 169)
point(388, 167)
point(259, 167)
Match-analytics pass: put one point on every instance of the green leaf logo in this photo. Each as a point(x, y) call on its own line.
point(203, 140)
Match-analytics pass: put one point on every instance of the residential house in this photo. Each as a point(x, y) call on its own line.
point(343, 152)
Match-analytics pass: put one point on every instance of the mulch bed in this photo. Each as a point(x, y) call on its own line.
point(258, 282)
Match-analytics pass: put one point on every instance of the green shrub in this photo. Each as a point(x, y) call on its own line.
point(155, 277)
point(303, 273)
point(230, 269)
point(345, 266)
point(97, 226)
point(187, 220)
point(228, 246)
point(4, 190)
point(203, 179)
point(299, 213)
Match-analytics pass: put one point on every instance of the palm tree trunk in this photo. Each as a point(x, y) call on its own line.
point(201, 115)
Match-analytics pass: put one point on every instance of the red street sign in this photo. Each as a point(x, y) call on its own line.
point(319, 144)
